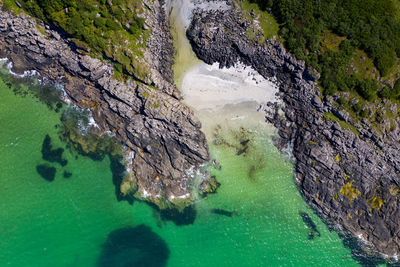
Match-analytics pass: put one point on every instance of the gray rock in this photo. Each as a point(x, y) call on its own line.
point(162, 133)
point(327, 156)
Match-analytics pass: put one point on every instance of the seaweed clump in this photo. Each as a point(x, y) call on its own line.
point(52, 155)
point(86, 139)
point(46, 171)
point(80, 135)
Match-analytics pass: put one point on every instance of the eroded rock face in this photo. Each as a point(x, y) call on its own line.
point(350, 176)
point(162, 133)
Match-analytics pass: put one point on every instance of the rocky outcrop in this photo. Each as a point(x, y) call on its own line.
point(160, 50)
point(348, 174)
point(161, 133)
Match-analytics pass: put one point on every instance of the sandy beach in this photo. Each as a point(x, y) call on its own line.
point(209, 87)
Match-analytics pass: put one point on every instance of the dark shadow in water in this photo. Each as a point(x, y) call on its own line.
point(67, 174)
point(186, 217)
point(223, 212)
point(357, 249)
point(52, 155)
point(134, 247)
point(358, 253)
point(45, 91)
point(46, 171)
point(118, 171)
point(310, 225)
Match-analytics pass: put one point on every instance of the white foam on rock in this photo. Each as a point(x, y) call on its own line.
point(9, 66)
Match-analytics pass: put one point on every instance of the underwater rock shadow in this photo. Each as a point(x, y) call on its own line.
point(312, 227)
point(223, 212)
point(134, 246)
point(52, 155)
point(118, 171)
point(180, 218)
point(46, 172)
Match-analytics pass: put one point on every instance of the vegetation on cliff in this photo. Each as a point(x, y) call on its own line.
point(113, 30)
point(354, 44)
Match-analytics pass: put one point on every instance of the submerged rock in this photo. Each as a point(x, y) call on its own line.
point(329, 155)
point(310, 225)
point(52, 155)
point(138, 246)
point(67, 174)
point(47, 172)
point(208, 186)
point(160, 133)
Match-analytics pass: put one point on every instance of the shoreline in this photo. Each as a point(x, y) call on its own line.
point(330, 158)
point(127, 109)
point(209, 87)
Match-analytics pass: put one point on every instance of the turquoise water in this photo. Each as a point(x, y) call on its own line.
point(253, 220)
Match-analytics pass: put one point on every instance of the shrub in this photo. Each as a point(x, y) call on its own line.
point(367, 89)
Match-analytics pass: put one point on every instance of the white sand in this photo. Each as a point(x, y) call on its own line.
point(208, 87)
point(227, 97)
point(232, 118)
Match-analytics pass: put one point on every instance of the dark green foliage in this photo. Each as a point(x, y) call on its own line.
point(342, 101)
point(101, 25)
point(367, 89)
point(357, 107)
point(370, 25)
point(391, 93)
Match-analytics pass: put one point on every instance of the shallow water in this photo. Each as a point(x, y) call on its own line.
point(253, 220)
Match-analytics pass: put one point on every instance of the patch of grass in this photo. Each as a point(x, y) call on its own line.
point(361, 66)
point(10, 6)
point(393, 74)
point(331, 41)
point(112, 29)
point(41, 29)
point(344, 125)
point(265, 21)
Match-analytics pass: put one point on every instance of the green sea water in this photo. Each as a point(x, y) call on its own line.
point(253, 219)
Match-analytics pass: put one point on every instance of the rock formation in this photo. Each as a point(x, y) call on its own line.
point(149, 119)
point(348, 174)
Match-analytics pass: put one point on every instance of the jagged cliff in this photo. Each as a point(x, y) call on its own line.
point(348, 174)
point(149, 119)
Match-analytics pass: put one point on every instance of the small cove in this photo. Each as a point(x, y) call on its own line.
point(253, 220)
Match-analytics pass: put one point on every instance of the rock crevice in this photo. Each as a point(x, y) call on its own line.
point(348, 175)
point(162, 133)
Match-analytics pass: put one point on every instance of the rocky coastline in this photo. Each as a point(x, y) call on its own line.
point(160, 133)
point(349, 175)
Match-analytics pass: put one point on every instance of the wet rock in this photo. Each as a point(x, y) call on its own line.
point(208, 186)
point(162, 133)
point(328, 156)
